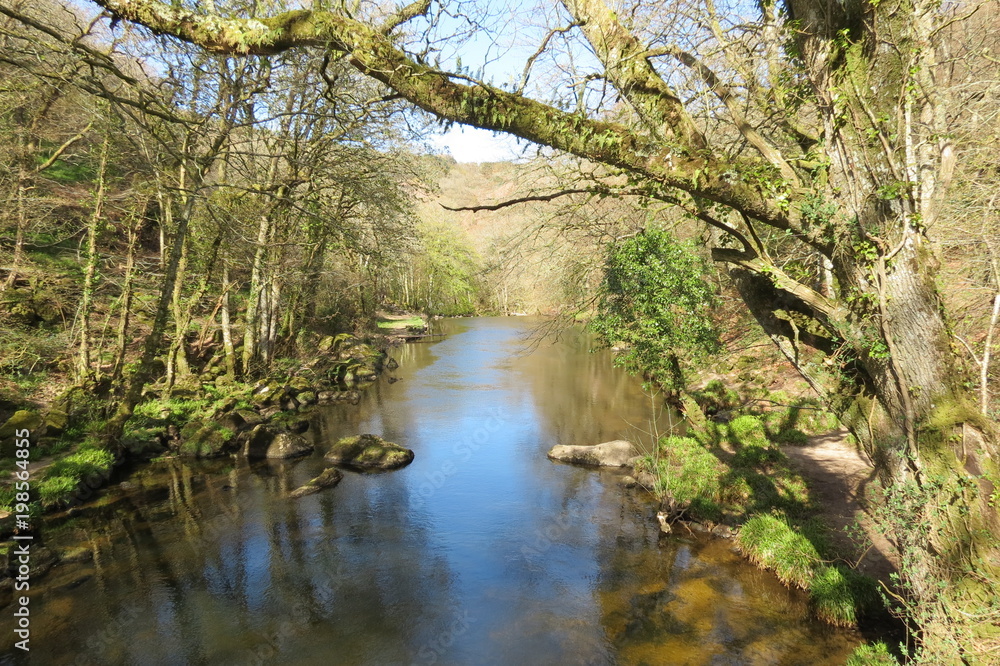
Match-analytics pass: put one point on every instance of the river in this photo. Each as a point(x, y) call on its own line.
point(482, 551)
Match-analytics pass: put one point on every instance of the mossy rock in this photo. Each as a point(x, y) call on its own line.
point(22, 419)
point(306, 398)
point(369, 452)
point(56, 422)
point(300, 384)
point(144, 442)
point(270, 393)
point(330, 477)
point(250, 417)
point(205, 440)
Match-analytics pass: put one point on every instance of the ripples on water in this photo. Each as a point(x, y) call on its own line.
point(480, 552)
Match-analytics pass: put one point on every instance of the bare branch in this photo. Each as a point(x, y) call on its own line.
point(725, 95)
point(528, 199)
point(54, 157)
point(404, 14)
point(541, 49)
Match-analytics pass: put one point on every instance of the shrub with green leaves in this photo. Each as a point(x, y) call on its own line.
point(655, 302)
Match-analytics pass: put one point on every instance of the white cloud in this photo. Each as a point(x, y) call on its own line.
point(471, 144)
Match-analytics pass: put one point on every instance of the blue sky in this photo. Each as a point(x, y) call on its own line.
point(502, 61)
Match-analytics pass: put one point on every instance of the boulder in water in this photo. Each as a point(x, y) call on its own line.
point(618, 453)
point(288, 445)
point(330, 477)
point(369, 452)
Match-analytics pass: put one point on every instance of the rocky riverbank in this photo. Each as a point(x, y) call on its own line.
point(203, 416)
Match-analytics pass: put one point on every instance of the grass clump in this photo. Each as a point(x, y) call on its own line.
point(60, 480)
point(687, 472)
point(871, 654)
point(770, 542)
point(400, 324)
point(841, 596)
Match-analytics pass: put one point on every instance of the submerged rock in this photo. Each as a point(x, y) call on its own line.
point(618, 453)
point(369, 452)
point(257, 441)
point(330, 477)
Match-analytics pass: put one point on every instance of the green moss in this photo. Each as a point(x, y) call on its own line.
point(951, 412)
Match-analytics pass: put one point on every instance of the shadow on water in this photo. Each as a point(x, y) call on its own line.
point(480, 552)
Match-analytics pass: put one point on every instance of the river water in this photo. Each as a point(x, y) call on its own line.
point(482, 551)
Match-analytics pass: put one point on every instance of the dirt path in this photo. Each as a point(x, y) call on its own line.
point(837, 475)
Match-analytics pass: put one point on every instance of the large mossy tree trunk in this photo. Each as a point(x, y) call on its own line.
point(842, 145)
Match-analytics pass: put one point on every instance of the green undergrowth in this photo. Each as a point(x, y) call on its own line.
point(736, 473)
point(727, 471)
point(786, 420)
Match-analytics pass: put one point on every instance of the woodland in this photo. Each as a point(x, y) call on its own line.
point(202, 183)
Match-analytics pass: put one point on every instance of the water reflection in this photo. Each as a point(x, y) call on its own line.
point(480, 552)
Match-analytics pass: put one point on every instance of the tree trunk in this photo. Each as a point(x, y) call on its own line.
point(154, 339)
point(227, 329)
point(125, 309)
point(85, 371)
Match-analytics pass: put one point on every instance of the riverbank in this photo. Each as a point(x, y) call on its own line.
point(201, 416)
point(477, 542)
